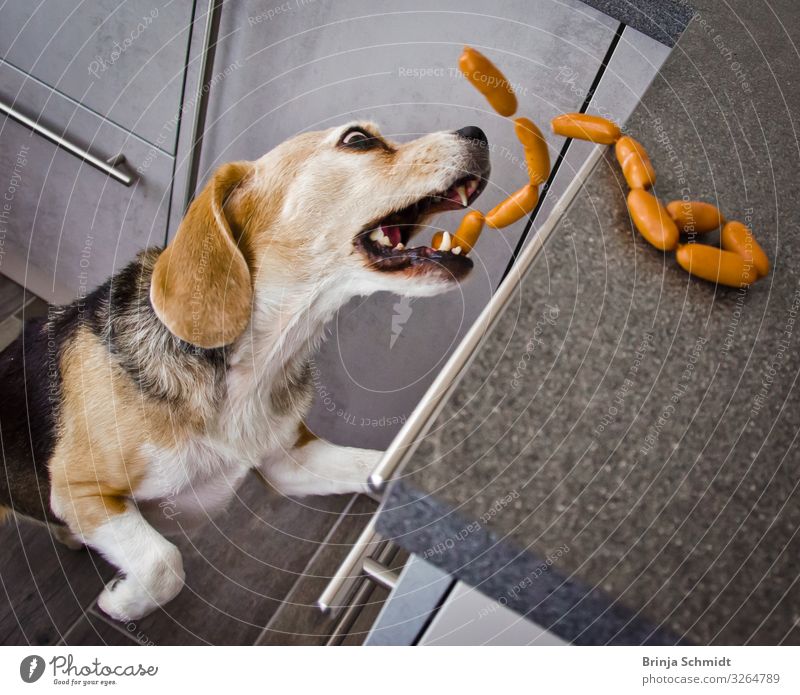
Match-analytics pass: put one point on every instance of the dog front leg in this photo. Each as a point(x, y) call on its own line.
point(151, 568)
point(317, 467)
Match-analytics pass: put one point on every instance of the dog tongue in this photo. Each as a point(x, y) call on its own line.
point(393, 232)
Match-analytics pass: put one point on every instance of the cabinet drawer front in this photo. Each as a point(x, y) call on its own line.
point(65, 226)
point(469, 618)
point(122, 60)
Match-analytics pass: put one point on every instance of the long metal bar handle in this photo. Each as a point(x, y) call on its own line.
point(107, 167)
point(332, 598)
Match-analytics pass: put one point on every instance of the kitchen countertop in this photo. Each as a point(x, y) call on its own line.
point(620, 460)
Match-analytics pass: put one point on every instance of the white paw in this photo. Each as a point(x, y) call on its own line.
point(124, 600)
point(127, 599)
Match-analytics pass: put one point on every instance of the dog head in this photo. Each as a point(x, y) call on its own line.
point(331, 211)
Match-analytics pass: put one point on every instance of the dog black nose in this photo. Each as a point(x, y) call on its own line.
point(472, 132)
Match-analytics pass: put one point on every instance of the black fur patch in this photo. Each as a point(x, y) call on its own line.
point(28, 414)
point(120, 314)
point(128, 325)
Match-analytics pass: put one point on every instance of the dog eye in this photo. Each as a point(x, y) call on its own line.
point(358, 139)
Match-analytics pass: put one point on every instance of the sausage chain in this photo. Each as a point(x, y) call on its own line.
point(741, 260)
point(490, 82)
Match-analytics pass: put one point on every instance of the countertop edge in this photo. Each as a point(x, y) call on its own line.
point(529, 584)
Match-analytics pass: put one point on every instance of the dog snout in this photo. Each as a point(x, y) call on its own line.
point(472, 132)
point(475, 151)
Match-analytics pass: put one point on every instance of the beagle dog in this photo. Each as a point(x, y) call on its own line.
point(191, 365)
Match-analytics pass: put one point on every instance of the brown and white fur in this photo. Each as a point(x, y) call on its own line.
point(191, 366)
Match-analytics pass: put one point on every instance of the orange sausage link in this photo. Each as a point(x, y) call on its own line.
point(586, 127)
point(635, 162)
point(624, 146)
point(513, 208)
point(709, 263)
point(468, 231)
point(537, 156)
point(652, 220)
point(488, 80)
point(737, 238)
point(466, 235)
point(695, 216)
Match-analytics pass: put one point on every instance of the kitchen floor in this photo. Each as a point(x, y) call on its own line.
point(253, 574)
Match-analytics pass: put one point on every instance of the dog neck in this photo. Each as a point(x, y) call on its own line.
point(268, 376)
point(287, 325)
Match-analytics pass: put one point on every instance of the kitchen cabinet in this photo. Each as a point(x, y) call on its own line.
point(468, 618)
point(111, 82)
point(429, 607)
point(67, 226)
point(122, 60)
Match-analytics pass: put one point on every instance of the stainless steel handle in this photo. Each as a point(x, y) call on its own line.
point(332, 598)
point(407, 440)
point(107, 167)
point(373, 571)
point(380, 574)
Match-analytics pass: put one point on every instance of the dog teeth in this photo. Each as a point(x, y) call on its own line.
point(472, 185)
point(378, 236)
point(445, 243)
point(456, 251)
point(462, 192)
point(399, 246)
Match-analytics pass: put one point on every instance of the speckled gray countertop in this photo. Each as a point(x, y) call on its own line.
point(620, 461)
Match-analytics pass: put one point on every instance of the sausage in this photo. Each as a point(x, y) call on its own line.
point(695, 216)
point(586, 127)
point(652, 220)
point(737, 238)
point(635, 162)
point(468, 231)
point(513, 208)
point(714, 265)
point(537, 156)
point(464, 237)
point(488, 80)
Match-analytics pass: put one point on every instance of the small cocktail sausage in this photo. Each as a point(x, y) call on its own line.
point(488, 80)
point(635, 162)
point(586, 127)
point(464, 238)
point(513, 208)
point(468, 231)
point(652, 220)
point(737, 238)
point(709, 263)
point(537, 157)
point(695, 216)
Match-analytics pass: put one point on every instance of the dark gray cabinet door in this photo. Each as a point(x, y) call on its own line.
point(64, 225)
point(123, 60)
point(284, 69)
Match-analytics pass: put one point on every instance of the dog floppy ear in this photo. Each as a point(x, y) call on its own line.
point(201, 287)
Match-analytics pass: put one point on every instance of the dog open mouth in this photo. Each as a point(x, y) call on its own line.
point(385, 242)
